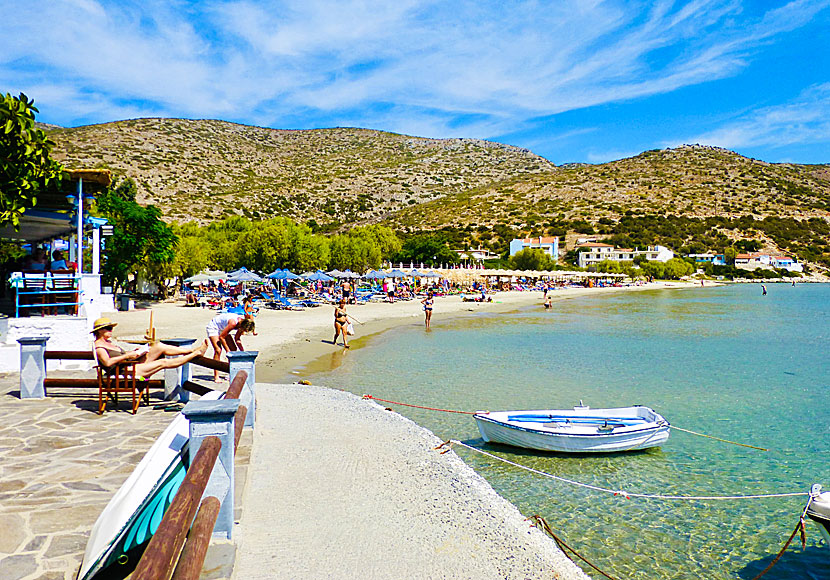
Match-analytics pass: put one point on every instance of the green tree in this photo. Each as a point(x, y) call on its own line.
point(427, 248)
point(653, 269)
point(141, 241)
point(676, 268)
point(26, 168)
point(531, 259)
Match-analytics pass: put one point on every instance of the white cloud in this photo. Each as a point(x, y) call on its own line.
point(804, 120)
point(420, 66)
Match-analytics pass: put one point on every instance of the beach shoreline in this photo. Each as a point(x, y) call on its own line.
point(288, 341)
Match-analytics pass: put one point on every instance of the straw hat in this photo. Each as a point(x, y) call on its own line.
point(102, 323)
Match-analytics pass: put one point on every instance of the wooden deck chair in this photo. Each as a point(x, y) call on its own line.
point(120, 379)
point(64, 291)
point(33, 291)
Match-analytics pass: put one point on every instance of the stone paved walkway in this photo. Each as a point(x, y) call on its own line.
point(60, 463)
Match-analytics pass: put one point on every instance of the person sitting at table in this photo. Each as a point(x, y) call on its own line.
point(37, 261)
point(148, 360)
point(58, 261)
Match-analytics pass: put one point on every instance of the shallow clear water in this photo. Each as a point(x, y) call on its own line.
point(724, 361)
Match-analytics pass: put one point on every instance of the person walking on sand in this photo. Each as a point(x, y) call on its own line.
point(219, 333)
point(341, 321)
point(428, 302)
point(148, 359)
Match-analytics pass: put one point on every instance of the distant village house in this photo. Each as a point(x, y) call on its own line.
point(548, 245)
point(756, 260)
point(714, 259)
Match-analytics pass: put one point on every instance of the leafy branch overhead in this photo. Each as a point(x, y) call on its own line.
point(26, 167)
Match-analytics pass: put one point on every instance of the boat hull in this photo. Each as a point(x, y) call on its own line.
point(819, 512)
point(582, 430)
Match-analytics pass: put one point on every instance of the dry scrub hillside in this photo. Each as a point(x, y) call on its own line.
point(691, 181)
point(203, 170)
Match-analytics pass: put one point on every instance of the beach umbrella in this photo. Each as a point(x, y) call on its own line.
point(335, 273)
point(349, 274)
point(246, 276)
point(207, 276)
point(415, 274)
point(397, 274)
point(277, 274)
point(239, 271)
point(318, 276)
point(375, 275)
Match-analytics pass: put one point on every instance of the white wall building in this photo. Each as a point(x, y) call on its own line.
point(596, 252)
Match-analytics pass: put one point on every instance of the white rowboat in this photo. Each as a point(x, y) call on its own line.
point(580, 430)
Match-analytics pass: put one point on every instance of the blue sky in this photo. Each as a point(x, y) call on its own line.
point(572, 80)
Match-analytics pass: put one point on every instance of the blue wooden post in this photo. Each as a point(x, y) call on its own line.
point(244, 360)
point(32, 366)
point(175, 378)
point(215, 419)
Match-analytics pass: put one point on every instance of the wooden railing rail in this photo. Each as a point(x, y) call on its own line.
point(68, 355)
point(198, 540)
point(160, 556)
point(216, 365)
point(178, 553)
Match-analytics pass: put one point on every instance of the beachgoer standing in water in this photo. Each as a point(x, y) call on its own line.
point(763, 290)
point(547, 303)
point(341, 320)
point(428, 302)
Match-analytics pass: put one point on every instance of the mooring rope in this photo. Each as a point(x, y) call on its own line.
point(798, 528)
point(539, 520)
point(626, 494)
point(418, 406)
point(718, 438)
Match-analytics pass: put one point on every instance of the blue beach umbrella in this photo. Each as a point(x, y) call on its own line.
point(398, 274)
point(318, 276)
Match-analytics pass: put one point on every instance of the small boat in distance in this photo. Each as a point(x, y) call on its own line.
point(577, 430)
point(819, 511)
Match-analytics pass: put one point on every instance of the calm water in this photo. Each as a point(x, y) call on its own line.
point(724, 361)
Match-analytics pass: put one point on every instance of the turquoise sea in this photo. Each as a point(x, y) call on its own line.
point(725, 361)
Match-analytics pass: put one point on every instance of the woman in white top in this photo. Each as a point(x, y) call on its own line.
point(219, 333)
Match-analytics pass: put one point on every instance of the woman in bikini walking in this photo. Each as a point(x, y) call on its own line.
point(341, 320)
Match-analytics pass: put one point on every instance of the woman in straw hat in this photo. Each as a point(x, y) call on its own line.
point(148, 360)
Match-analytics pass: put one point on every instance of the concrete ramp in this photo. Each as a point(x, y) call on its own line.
point(341, 488)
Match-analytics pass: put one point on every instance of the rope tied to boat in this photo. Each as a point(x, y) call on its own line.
point(540, 522)
point(370, 397)
point(626, 494)
point(798, 528)
point(718, 438)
